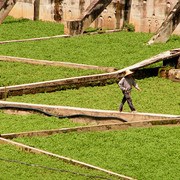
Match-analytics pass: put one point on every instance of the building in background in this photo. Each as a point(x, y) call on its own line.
point(144, 15)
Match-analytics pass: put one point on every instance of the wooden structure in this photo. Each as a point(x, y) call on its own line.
point(91, 80)
point(168, 26)
point(5, 8)
point(76, 27)
point(145, 16)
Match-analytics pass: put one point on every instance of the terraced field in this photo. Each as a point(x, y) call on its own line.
point(141, 153)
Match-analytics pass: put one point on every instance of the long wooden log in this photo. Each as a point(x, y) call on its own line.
point(77, 27)
point(95, 128)
point(168, 26)
point(63, 158)
point(91, 80)
point(56, 63)
point(5, 8)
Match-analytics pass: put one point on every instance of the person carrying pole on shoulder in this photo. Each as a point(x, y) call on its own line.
point(126, 84)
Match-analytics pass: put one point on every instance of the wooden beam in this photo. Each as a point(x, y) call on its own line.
point(5, 8)
point(36, 9)
point(77, 27)
point(168, 26)
point(94, 128)
point(91, 80)
point(30, 149)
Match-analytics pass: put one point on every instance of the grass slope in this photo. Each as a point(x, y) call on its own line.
point(142, 153)
point(14, 29)
point(13, 73)
point(118, 50)
point(146, 153)
point(157, 96)
point(10, 123)
point(15, 171)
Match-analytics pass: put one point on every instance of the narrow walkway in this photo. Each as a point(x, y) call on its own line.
point(59, 36)
point(93, 128)
point(66, 110)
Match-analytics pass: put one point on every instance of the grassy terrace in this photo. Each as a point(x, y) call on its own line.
point(11, 170)
point(13, 73)
point(157, 96)
point(110, 50)
point(118, 50)
point(142, 153)
point(17, 123)
point(13, 29)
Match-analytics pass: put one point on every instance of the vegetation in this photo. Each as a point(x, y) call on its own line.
point(16, 171)
point(117, 50)
point(32, 122)
point(13, 73)
point(129, 27)
point(157, 96)
point(141, 153)
point(14, 29)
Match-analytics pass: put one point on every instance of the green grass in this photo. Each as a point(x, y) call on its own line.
point(142, 153)
point(32, 122)
point(117, 50)
point(146, 153)
point(15, 171)
point(157, 96)
point(13, 73)
point(14, 29)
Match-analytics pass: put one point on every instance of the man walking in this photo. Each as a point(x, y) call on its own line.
point(126, 84)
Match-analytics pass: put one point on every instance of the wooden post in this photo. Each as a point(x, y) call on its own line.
point(36, 9)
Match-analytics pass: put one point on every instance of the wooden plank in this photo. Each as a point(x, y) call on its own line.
point(160, 57)
point(56, 63)
point(93, 128)
point(57, 85)
point(34, 39)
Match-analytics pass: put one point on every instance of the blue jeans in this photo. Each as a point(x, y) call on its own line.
point(128, 99)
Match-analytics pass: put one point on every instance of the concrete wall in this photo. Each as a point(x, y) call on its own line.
point(23, 8)
point(145, 15)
